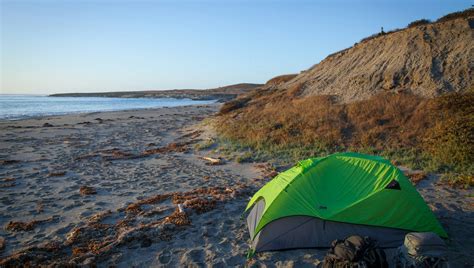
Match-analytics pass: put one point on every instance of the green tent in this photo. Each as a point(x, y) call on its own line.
point(327, 198)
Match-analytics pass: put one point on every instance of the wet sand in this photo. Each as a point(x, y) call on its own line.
point(104, 188)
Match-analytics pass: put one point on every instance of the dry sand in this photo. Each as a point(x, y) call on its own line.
point(103, 188)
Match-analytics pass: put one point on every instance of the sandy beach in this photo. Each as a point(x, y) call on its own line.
point(104, 189)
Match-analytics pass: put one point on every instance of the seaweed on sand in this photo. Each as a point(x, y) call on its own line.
point(87, 190)
point(57, 174)
point(8, 161)
point(178, 218)
point(18, 226)
point(94, 240)
point(416, 177)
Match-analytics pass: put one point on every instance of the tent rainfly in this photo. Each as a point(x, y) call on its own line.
point(327, 198)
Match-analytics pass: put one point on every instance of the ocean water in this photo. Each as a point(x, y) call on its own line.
point(13, 107)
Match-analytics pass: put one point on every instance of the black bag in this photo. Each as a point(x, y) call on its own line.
point(354, 251)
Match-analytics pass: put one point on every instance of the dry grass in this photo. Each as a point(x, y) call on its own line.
point(388, 119)
point(233, 105)
point(451, 139)
point(280, 79)
point(439, 131)
point(295, 89)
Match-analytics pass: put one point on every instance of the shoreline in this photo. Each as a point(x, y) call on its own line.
point(187, 102)
point(103, 187)
point(42, 117)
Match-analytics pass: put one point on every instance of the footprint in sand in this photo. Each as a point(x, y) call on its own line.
point(165, 257)
point(238, 260)
point(194, 256)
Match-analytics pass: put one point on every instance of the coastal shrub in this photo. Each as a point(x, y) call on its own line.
point(457, 15)
point(468, 13)
point(418, 23)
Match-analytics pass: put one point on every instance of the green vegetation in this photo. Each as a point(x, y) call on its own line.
point(451, 139)
point(418, 23)
point(245, 157)
point(205, 145)
point(435, 135)
point(465, 14)
point(458, 180)
point(457, 15)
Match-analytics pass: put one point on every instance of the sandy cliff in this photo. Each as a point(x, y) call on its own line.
point(427, 60)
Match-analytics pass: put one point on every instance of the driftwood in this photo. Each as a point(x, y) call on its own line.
point(212, 161)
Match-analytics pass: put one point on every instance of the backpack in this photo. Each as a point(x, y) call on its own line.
point(354, 251)
point(422, 250)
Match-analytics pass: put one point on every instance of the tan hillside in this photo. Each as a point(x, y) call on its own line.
point(427, 60)
point(408, 95)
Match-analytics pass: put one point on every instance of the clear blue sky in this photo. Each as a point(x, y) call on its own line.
point(85, 46)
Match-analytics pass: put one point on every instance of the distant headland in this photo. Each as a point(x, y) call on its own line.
point(224, 93)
